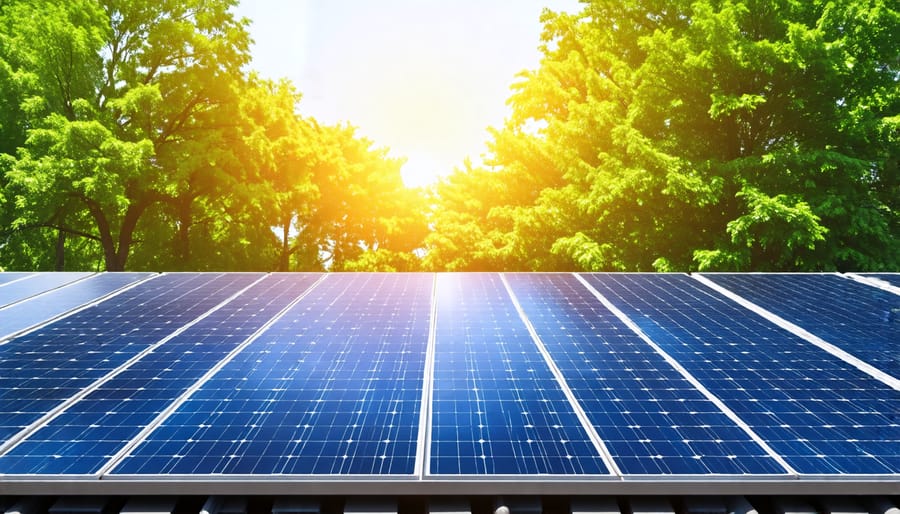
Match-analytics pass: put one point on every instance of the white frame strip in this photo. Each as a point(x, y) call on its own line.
point(802, 333)
point(560, 379)
point(423, 452)
point(26, 432)
point(873, 282)
point(172, 407)
point(689, 377)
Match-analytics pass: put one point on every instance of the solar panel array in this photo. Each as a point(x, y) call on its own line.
point(441, 377)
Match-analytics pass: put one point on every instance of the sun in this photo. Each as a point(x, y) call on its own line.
point(421, 169)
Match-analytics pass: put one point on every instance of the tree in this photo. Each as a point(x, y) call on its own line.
point(706, 135)
point(284, 151)
point(48, 63)
point(131, 106)
point(365, 218)
point(133, 134)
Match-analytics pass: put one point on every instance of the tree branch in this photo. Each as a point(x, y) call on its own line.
point(54, 226)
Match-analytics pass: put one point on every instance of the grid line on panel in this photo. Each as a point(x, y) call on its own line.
point(423, 452)
point(31, 288)
point(11, 277)
point(44, 367)
point(332, 389)
point(799, 331)
point(822, 415)
point(652, 420)
point(576, 406)
point(688, 376)
point(25, 316)
point(879, 280)
point(59, 409)
point(497, 408)
point(159, 419)
point(81, 439)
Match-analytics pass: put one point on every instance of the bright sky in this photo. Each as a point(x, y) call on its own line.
point(424, 78)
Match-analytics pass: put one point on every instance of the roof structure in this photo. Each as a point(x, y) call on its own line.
point(445, 384)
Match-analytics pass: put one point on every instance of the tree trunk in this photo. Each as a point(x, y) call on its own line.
point(60, 251)
point(115, 256)
point(110, 256)
point(126, 233)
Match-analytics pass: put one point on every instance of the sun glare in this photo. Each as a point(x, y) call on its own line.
point(424, 79)
point(421, 170)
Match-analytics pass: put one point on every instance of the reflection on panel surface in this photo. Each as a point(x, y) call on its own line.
point(333, 387)
point(821, 414)
point(859, 319)
point(10, 276)
point(41, 369)
point(652, 419)
point(19, 290)
point(497, 409)
point(25, 314)
point(87, 433)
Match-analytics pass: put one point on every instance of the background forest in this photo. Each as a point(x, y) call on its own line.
point(654, 135)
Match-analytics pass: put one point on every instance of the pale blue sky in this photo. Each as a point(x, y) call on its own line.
point(422, 77)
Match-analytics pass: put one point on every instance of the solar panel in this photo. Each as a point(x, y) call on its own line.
point(39, 309)
point(496, 407)
point(41, 369)
point(859, 319)
point(470, 383)
point(83, 437)
point(891, 278)
point(651, 418)
point(16, 291)
point(818, 412)
point(10, 276)
point(334, 387)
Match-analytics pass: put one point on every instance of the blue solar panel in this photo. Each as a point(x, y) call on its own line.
point(891, 278)
point(23, 315)
point(10, 276)
point(859, 319)
point(90, 431)
point(38, 283)
point(41, 369)
point(497, 408)
point(821, 414)
point(652, 420)
point(334, 387)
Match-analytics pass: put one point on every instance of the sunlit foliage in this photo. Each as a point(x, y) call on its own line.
point(654, 135)
point(711, 135)
point(132, 136)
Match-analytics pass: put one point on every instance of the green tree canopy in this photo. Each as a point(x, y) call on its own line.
point(132, 132)
point(703, 135)
point(726, 135)
point(124, 95)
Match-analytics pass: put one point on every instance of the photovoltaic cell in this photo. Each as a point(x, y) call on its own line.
point(334, 387)
point(90, 431)
point(41, 369)
point(20, 316)
point(821, 414)
point(862, 320)
point(37, 284)
point(9, 276)
point(891, 278)
point(652, 420)
point(497, 408)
